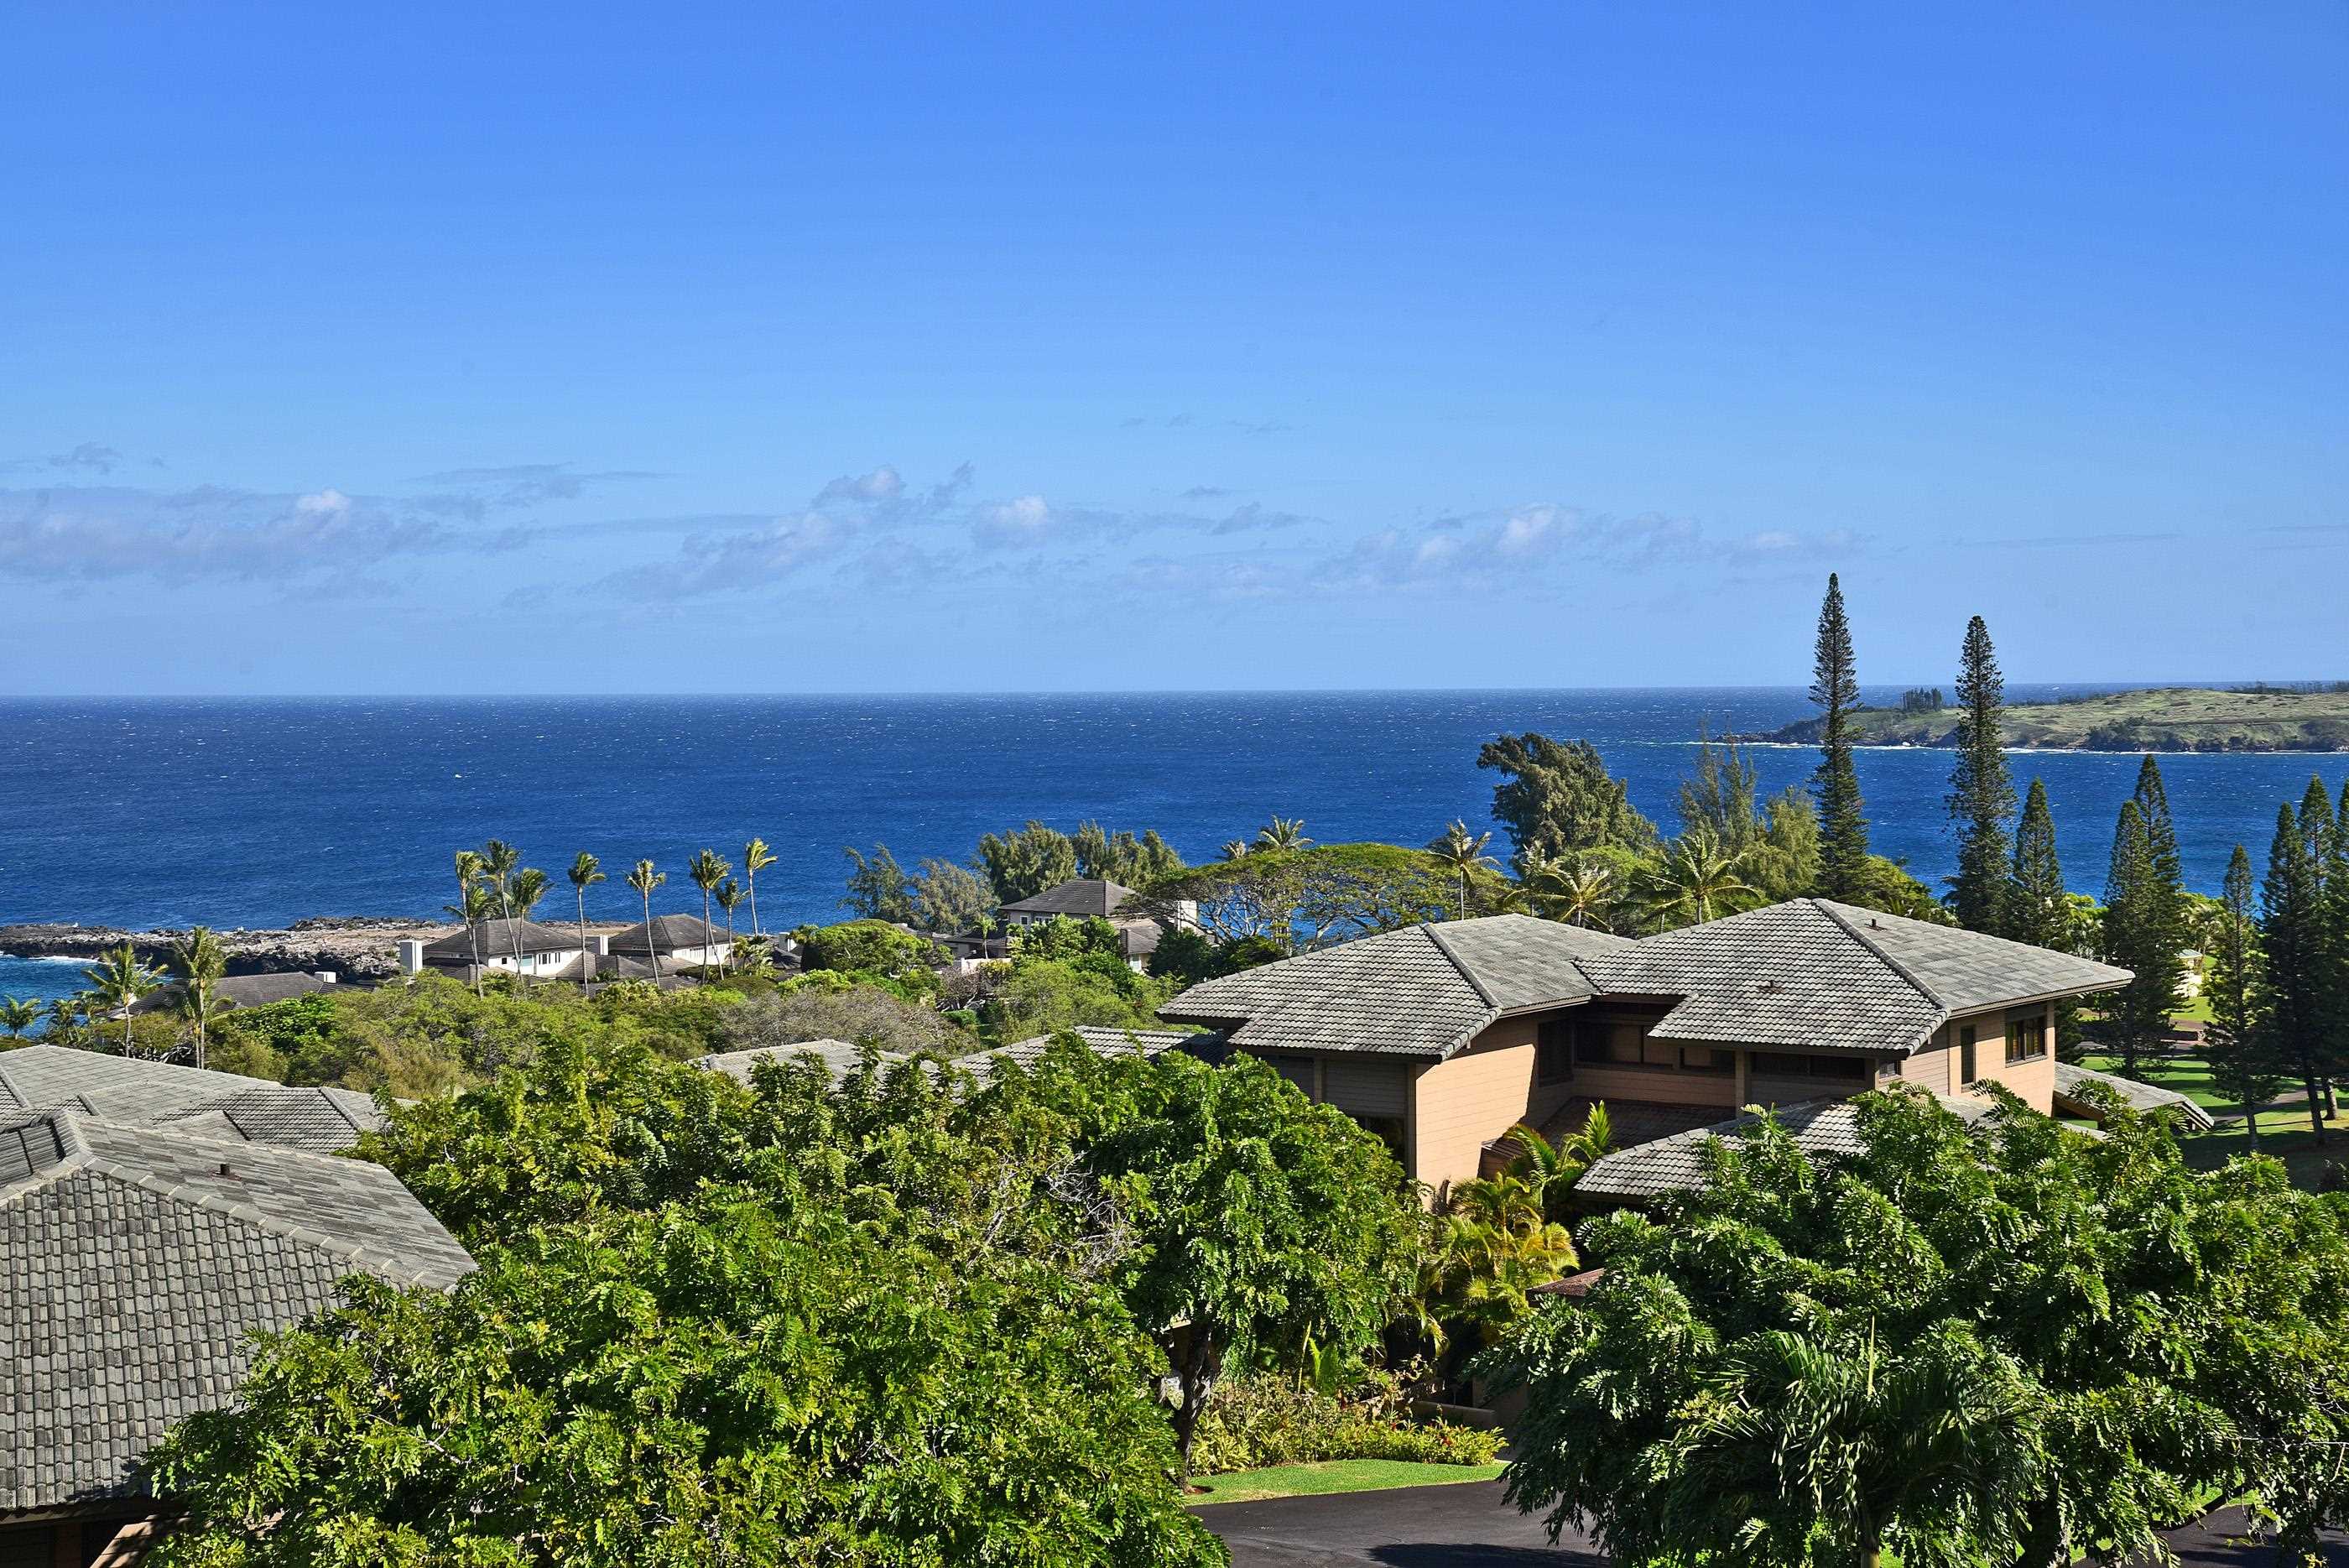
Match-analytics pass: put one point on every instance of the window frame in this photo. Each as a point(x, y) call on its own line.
point(1968, 1060)
point(2036, 1022)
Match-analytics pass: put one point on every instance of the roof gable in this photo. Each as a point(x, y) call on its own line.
point(1084, 895)
point(1397, 993)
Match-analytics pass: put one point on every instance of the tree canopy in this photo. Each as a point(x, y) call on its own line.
point(1959, 1344)
point(1556, 799)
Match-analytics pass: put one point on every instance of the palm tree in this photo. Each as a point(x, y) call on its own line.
point(1577, 894)
point(199, 961)
point(643, 879)
point(1463, 851)
point(19, 1013)
point(118, 980)
point(1551, 1169)
point(64, 1012)
point(706, 870)
point(500, 862)
point(468, 876)
point(475, 910)
point(585, 873)
point(729, 895)
point(1701, 879)
point(756, 858)
point(1235, 848)
point(527, 892)
point(1282, 833)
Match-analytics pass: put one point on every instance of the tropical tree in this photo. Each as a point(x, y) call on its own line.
point(1834, 691)
point(118, 980)
point(949, 898)
point(501, 863)
point(199, 961)
point(1464, 852)
point(524, 893)
point(1699, 880)
point(468, 876)
point(1487, 1247)
point(1021, 863)
point(730, 895)
point(1259, 1220)
point(1282, 833)
point(1964, 1343)
point(706, 870)
point(1580, 894)
point(1981, 791)
point(1551, 1169)
point(475, 906)
point(1234, 849)
point(643, 879)
point(878, 887)
point(585, 873)
point(2239, 1057)
point(1556, 799)
point(19, 1013)
point(756, 858)
point(66, 1011)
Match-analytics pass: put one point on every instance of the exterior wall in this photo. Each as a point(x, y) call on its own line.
point(1460, 1105)
point(1939, 1068)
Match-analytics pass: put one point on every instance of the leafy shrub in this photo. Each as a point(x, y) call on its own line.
point(1254, 1422)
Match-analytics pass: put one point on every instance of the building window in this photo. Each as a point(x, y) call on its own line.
point(2026, 1038)
point(1966, 1053)
point(1554, 1050)
point(1834, 1069)
point(1707, 1059)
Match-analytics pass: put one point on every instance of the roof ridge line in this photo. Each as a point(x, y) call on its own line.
point(1893, 964)
point(1486, 997)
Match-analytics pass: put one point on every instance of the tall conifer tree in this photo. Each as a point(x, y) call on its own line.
point(2239, 1055)
point(1835, 688)
point(2292, 1017)
point(2040, 906)
point(1981, 791)
point(2134, 938)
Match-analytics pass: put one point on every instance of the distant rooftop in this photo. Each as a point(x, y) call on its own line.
point(139, 1093)
point(1086, 898)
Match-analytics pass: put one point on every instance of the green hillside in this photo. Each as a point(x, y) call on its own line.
point(2167, 718)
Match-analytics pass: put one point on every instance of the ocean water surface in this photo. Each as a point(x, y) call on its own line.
point(258, 812)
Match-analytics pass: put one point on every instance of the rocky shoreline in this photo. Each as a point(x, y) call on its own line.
point(352, 947)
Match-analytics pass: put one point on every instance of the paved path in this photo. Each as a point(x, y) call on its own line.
point(1469, 1526)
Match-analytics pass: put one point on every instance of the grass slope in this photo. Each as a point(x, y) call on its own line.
point(1335, 1476)
point(2167, 718)
point(2283, 1123)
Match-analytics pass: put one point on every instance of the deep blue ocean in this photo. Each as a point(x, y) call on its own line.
point(257, 813)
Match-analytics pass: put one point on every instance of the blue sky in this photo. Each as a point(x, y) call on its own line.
point(886, 348)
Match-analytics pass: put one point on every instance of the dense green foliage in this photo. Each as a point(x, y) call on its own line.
point(1556, 799)
point(1325, 893)
point(2241, 1060)
point(1025, 862)
point(1269, 1419)
point(865, 946)
point(2145, 928)
point(1961, 1346)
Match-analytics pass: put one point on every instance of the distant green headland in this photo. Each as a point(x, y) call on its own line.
point(2164, 719)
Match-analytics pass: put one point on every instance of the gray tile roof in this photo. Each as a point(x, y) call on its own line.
point(241, 990)
point(674, 931)
point(1397, 993)
point(2070, 1081)
point(1086, 896)
point(840, 1058)
point(1805, 975)
point(137, 1092)
point(1792, 976)
point(132, 1270)
point(1968, 971)
point(1824, 1128)
point(528, 936)
point(1104, 1040)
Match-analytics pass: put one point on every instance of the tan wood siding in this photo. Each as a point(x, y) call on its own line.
point(1460, 1105)
point(1935, 1066)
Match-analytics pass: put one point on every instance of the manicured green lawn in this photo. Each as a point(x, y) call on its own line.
point(2284, 1123)
point(1333, 1476)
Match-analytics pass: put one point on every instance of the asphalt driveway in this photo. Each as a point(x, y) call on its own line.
point(1469, 1526)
